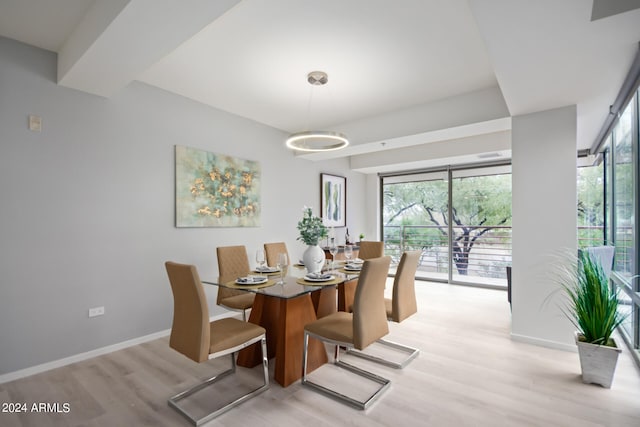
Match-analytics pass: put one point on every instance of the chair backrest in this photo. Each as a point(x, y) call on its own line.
point(232, 263)
point(403, 302)
point(272, 250)
point(190, 333)
point(371, 249)
point(369, 312)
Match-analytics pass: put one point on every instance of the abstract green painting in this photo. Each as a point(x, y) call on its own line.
point(215, 190)
point(333, 200)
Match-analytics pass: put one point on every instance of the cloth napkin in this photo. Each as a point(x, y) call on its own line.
point(267, 269)
point(249, 279)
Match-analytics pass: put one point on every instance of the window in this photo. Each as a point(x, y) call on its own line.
point(591, 211)
point(621, 173)
point(624, 199)
point(460, 219)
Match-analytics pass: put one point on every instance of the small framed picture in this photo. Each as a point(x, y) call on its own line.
point(333, 200)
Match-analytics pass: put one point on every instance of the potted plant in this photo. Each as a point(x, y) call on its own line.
point(592, 307)
point(311, 231)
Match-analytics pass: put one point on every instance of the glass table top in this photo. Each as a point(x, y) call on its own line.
point(290, 288)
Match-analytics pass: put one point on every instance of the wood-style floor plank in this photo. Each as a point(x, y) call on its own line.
point(469, 373)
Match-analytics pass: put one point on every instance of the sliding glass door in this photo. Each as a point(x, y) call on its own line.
point(481, 225)
point(459, 219)
point(412, 218)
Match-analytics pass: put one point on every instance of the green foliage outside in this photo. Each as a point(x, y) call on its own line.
point(590, 206)
point(480, 203)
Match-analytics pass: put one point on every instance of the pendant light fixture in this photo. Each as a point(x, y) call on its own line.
point(314, 141)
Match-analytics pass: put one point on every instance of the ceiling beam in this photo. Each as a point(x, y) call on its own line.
point(119, 39)
point(605, 8)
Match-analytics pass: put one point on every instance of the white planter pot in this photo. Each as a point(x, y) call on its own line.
point(313, 258)
point(598, 362)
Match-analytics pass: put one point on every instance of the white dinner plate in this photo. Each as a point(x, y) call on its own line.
point(324, 278)
point(251, 280)
point(349, 267)
point(267, 270)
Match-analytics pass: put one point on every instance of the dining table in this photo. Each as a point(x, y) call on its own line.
point(283, 309)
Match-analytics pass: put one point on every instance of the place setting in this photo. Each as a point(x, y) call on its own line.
point(351, 266)
point(251, 281)
point(262, 268)
point(318, 279)
point(269, 271)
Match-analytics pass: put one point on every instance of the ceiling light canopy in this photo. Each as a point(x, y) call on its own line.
point(314, 141)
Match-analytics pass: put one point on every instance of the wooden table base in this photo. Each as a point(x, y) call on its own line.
point(324, 301)
point(346, 294)
point(284, 320)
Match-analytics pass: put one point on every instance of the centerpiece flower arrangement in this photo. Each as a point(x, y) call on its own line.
point(311, 228)
point(311, 231)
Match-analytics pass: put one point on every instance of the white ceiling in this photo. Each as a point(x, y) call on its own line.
point(387, 61)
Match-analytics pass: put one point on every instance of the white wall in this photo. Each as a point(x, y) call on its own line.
point(88, 206)
point(544, 221)
point(372, 208)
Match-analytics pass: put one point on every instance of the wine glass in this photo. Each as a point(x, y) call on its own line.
point(348, 253)
point(283, 262)
point(333, 250)
point(260, 259)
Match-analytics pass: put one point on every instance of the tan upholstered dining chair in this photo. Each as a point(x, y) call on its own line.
point(365, 325)
point(272, 250)
point(346, 292)
point(402, 305)
point(233, 263)
point(370, 249)
point(200, 340)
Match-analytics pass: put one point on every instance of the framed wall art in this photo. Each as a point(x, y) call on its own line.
point(216, 190)
point(333, 200)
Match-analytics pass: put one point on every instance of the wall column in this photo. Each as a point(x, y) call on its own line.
point(544, 222)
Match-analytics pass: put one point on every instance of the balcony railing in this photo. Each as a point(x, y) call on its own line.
point(485, 262)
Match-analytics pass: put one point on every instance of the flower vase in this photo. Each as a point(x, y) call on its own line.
point(313, 258)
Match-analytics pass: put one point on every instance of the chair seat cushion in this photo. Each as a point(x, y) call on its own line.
point(229, 332)
point(243, 301)
point(336, 326)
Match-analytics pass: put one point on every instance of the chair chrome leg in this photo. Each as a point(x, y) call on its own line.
point(383, 382)
point(233, 362)
point(173, 401)
point(265, 361)
point(305, 349)
point(413, 353)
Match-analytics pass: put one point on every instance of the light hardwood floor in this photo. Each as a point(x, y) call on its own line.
point(469, 373)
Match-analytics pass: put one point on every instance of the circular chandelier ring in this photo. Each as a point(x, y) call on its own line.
point(314, 141)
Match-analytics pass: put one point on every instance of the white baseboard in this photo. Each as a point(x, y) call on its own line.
point(544, 343)
point(22, 373)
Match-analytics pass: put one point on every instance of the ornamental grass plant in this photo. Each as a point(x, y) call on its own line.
point(592, 304)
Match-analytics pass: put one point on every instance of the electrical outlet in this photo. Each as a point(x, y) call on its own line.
point(96, 311)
